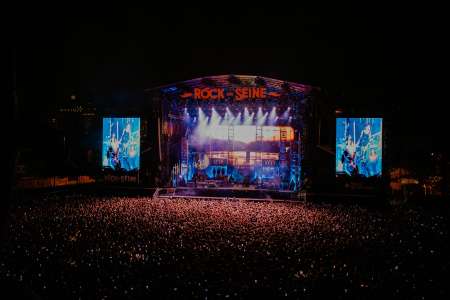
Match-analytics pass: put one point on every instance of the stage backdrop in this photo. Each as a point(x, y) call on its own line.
point(121, 144)
point(359, 146)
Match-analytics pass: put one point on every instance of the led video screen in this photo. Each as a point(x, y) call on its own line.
point(121, 143)
point(359, 146)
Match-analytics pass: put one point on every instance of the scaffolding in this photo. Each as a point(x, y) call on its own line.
point(283, 158)
point(259, 139)
point(230, 145)
point(185, 155)
point(258, 154)
point(294, 180)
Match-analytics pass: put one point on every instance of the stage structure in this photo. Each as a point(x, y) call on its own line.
point(234, 131)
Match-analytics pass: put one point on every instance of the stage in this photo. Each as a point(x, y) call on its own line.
point(235, 132)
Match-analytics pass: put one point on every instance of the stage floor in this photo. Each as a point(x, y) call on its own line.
point(227, 192)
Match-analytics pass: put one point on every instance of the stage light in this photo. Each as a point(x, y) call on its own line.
point(215, 118)
point(246, 114)
point(226, 118)
point(237, 119)
point(286, 114)
point(249, 119)
point(273, 116)
point(202, 117)
point(260, 117)
point(186, 117)
point(259, 114)
point(261, 121)
point(230, 117)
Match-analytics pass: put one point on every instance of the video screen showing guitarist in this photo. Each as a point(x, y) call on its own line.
point(359, 146)
point(121, 139)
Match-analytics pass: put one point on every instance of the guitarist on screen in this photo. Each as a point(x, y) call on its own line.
point(362, 146)
point(113, 152)
point(348, 157)
point(125, 141)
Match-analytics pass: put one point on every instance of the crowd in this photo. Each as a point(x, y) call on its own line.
point(78, 246)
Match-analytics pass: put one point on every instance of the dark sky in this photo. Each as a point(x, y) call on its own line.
point(359, 54)
point(131, 48)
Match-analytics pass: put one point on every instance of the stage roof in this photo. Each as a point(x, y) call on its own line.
point(231, 81)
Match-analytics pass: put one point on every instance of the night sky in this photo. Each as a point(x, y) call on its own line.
point(368, 57)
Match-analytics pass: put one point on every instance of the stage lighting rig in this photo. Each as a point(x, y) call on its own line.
point(260, 82)
point(234, 80)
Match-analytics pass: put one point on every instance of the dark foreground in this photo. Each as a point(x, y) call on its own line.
point(104, 247)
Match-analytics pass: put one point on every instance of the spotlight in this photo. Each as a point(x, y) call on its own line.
point(286, 113)
point(261, 118)
point(273, 116)
point(237, 119)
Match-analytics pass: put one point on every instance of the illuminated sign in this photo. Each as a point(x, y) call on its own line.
point(250, 93)
point(208, 93)
point(239, 94)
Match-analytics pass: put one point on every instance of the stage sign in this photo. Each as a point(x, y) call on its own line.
point(121, 143)
point(239, 94)
point(359, 146)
